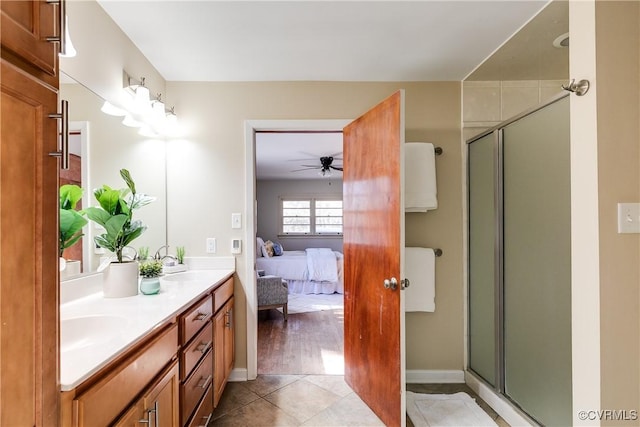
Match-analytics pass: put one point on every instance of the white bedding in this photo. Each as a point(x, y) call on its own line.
point(293, 266)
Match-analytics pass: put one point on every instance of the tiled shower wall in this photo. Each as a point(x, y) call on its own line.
point(488, 103)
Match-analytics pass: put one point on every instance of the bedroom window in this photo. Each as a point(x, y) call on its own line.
point(311, 216)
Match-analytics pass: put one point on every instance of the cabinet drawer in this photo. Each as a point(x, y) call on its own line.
point(189, 356)
point(222, 294)
point(196, 386)
point(195, 318)
point(108, 397)
point(204, 412)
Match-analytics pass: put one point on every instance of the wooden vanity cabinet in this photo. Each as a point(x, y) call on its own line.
point(142, 379)
point(206, 354)
point(196, 355)
point(28, 225)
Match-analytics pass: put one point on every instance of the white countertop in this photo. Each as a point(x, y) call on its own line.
point(120, 323)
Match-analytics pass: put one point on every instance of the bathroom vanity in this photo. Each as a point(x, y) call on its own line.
point(160, 360)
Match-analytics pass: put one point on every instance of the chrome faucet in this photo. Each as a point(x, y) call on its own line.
point(171, 258)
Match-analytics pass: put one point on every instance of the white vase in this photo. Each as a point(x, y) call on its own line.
point(120, 280)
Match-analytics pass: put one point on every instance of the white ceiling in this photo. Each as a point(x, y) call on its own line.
point(209, 40)
point(281, 155)
point(318, 40)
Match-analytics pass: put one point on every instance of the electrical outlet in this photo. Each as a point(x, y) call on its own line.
point(236, 220)
point(211, 245)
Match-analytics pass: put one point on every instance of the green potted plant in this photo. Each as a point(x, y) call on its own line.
point(115, 215)
point(71, 223)
point(150, 271)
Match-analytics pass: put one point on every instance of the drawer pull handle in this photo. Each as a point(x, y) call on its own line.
point(203, 347)
point(203, 317)
point(206, 420)
point(64, 134)
point(206, 382)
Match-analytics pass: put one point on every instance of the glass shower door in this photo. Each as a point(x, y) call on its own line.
point(482, 258)
point(537, 264)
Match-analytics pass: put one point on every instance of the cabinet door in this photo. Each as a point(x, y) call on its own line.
point(159, 406)
point(28, 248)
point(229, 347)
point(24, 27)
point(162, 402)
point(223, 349)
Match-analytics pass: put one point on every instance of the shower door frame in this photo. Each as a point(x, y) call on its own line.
point(498, 148)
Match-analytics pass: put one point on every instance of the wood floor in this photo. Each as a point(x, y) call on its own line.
point(307, 344)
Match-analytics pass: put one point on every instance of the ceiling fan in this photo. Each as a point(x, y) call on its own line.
point(325, 167)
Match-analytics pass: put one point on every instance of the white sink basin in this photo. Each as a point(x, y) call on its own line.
point(192, 276)
point(81, 332)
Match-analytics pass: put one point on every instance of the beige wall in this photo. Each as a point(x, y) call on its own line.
point(206, 183)
point(618, 94)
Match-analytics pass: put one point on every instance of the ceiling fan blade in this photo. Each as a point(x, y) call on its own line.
point(338, 168)
point(305, 169)
point(312, 166)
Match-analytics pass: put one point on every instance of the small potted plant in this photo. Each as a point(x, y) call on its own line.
point(71, 223)
point(115, 215)
point(180, 254)
point(150, 271)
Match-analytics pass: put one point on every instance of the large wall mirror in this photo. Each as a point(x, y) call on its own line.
point(100, 146)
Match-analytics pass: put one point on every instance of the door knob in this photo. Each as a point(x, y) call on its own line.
point(391, 283)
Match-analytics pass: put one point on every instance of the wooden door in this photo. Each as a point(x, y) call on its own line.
point(219, 322)
point(229, 345)
point(29, 391)
point(373, 248)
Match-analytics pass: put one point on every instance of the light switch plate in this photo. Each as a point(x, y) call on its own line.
point(211, 245)
point(236, 220)
point(628, 217)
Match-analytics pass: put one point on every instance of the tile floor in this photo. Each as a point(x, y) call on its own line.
point(309, 400)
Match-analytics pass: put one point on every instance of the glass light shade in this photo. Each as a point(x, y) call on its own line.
point(158, 110)
point(69, 50)
point(142, 100)
point(131, 122)
point(112, 110)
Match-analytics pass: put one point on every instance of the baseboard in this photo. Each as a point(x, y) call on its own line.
point(238, 375)
point(434, 376)
point(512, 415)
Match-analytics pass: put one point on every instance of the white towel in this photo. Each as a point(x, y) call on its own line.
point(420, 191)
point(421, 272)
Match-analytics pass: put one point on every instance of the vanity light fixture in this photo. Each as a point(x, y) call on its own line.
point(142, 110)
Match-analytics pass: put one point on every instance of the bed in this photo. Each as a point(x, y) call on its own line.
point(312, 271)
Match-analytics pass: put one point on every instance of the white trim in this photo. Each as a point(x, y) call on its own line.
point(585, 246)
point(512, 415)
point(250, 127)
point(238, 375)
point(434, 376)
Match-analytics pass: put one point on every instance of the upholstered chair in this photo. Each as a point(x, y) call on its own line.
point(273, 292)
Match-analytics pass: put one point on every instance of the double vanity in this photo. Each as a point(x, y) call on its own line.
point(149, 359)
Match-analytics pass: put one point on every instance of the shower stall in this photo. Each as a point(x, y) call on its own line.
point(519, 261)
